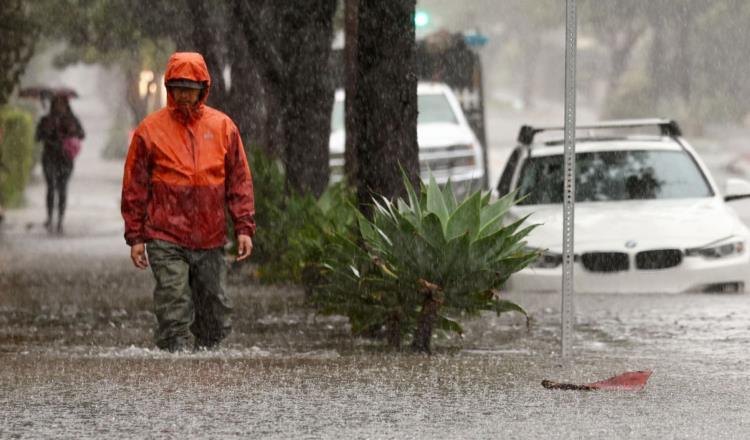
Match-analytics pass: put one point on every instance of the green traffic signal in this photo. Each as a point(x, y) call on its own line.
point(421, 19)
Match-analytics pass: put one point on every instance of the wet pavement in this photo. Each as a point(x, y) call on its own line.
point(83, 371)
point(77, 361)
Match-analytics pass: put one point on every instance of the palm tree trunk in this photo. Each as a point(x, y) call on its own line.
point(427, 317)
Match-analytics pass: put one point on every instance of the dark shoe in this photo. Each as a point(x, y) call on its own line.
point(179, 346)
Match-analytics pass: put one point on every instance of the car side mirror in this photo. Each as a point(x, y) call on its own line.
point(736, 189)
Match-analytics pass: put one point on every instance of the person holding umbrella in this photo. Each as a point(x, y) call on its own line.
point(61, 132)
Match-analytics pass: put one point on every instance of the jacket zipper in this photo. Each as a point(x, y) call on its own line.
point(194, 155)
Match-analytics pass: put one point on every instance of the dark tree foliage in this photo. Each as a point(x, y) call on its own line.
point(18, 33)
point(277, 52)
point(385, 98)
point(116, 32)
point(291, 44)
point(281, 95)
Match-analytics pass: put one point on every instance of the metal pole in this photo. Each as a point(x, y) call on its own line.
point(483, 130)
point(568, 304)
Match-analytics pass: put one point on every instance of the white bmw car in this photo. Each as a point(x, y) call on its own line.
point(648, 215)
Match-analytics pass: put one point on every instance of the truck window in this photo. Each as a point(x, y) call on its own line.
point(503, 185)
point(435, 107)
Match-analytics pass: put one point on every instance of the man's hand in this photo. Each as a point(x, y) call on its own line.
point(244, 247)
point(138, 255)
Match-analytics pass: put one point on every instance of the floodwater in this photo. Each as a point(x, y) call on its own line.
point(76, 361)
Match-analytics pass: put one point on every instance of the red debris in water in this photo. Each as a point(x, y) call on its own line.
point(630, 381)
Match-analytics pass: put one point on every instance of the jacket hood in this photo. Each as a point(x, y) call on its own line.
point(188, 65)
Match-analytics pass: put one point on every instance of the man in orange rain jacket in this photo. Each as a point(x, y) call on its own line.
point(186, 167)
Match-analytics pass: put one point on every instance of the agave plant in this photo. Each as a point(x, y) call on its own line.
point(422, 262)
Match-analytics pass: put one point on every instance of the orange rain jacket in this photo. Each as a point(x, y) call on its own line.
point(184, 168)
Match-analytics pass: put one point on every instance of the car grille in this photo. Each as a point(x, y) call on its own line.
point(605, 261)
point(445, 158)
point(658, 259)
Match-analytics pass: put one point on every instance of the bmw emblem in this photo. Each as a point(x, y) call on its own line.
point(630, 244)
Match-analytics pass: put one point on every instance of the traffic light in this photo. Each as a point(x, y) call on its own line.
point(421, 19)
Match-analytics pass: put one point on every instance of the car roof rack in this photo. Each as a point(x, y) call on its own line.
point(667, 127)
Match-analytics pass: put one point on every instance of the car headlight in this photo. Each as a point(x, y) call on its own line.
point(715, 251)
point(466, 160)
point(547, 260)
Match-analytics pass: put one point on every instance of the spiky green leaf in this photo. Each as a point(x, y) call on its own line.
point(436, 203)
point(465, 219)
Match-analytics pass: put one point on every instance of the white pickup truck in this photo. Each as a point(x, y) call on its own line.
point(448, 148)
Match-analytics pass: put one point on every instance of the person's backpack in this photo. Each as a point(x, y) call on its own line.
point(71, 147)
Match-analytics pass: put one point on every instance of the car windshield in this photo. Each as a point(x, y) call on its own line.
point(433, 108)
point(613, 176)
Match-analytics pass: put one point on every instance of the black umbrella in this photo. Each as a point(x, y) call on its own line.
point(45, 93)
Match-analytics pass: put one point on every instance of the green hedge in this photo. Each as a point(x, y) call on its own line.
point(292, 228)
point(16, 154)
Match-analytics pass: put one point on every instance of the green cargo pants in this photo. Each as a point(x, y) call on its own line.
point(189, 296)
